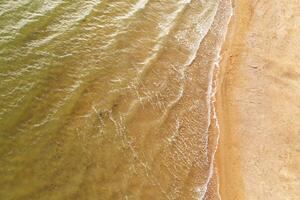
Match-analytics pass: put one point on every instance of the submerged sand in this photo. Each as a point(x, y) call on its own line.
point(258, 102)
point(116, 100)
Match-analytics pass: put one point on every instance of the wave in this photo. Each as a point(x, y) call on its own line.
point(104, 94)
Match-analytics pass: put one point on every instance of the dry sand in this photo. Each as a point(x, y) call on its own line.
point(258, 102)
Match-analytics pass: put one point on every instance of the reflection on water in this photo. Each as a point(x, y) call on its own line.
point(105, 99)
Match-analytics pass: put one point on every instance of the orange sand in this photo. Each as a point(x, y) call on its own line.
point(258, 102)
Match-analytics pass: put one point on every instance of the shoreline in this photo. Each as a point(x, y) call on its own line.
point(227, 156)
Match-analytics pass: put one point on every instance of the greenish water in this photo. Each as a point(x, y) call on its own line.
point(98, 99)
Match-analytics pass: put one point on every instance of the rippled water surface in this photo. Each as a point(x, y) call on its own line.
point(104, 99)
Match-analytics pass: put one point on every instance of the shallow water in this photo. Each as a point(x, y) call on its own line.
point(107, 99)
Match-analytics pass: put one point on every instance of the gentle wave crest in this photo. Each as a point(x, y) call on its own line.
point(108, 99)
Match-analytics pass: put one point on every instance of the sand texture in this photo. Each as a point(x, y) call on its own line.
point(258, 102)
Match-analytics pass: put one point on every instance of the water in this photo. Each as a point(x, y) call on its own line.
point(108, 99)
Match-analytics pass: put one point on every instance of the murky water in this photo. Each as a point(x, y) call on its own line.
point(108, 99)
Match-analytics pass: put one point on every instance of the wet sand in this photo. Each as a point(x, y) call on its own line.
point(258, 102)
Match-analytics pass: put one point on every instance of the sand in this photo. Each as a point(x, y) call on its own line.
point(258, 102)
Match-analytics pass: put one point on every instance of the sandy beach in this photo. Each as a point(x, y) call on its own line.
point(140, 99)
point(258, 102)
